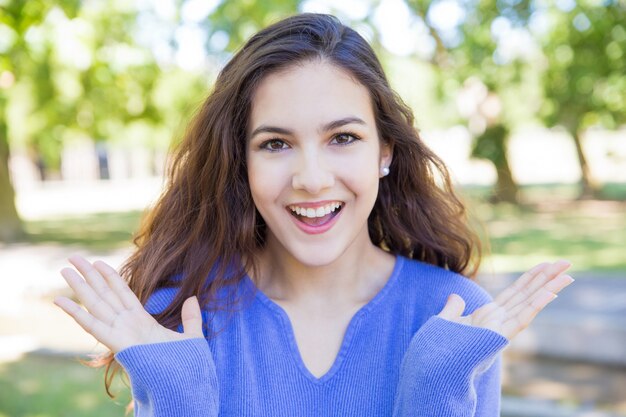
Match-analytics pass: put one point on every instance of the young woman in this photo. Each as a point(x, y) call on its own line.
point(308, 257)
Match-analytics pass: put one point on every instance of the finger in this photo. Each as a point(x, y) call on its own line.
point(538, 281)
point(521, 320)
point(119, 286)
point(88, 322)
point(453, 309)
point(88, 297)
point(97, 282)
point(192, 318)
point(520, 283)
point(486, 313)
point(554, 286)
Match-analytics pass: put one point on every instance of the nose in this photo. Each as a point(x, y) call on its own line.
point(312, 174)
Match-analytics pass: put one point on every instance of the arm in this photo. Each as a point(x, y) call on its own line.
point(452, 365)
point(181, 382)
point(450, 369)
point(171, 373)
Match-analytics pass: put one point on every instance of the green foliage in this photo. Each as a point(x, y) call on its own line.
point(584, 79)
point(476, 53)
point(80, 72)
point(491, 144)
point(579, 64)
point(240, 19)
point(85, 75)
point(471, 51)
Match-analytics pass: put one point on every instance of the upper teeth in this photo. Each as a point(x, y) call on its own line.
point(315, 212)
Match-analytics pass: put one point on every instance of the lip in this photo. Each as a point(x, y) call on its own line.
point(316, 230)
point(315, 204)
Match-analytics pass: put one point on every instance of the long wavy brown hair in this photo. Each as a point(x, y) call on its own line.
point(205, 227)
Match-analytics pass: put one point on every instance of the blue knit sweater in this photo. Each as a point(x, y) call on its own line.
point(397, 358)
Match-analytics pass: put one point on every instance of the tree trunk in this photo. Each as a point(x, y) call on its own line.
point(590, 188)
point(507, 189)
point(10, 225)
point(492, 146)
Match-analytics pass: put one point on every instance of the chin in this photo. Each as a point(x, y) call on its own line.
point(317, 257)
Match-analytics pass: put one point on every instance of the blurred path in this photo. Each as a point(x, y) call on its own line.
point(30, 275)
point(586, 322)
point(65, 198)
point(30, 280)
point(585, 326)
point(574, 350)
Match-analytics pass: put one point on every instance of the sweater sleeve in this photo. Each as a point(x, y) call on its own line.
point(452, 370)
point(172, 378)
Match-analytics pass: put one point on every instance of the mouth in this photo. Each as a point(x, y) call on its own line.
point(316, 217)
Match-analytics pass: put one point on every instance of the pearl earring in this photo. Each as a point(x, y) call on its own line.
point(384, 171)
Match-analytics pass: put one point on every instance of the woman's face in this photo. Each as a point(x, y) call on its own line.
point(314, 160)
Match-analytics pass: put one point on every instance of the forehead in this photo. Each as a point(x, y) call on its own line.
point(309, 94)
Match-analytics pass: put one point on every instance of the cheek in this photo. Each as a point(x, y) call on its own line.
point(364, 187)
point(255, 180)
point(360, 174)
point(265, 181)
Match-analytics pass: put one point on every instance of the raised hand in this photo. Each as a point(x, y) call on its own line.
point(515, 307)
point(114, 315)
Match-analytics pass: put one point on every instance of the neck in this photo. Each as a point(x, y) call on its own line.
point(355, 277)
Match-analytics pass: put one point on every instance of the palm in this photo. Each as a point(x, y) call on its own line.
point(114, 315)
point(134, 325)
point(515, 307)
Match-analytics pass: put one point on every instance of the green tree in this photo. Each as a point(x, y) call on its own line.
point(240, 19)
point(469, 51)
point(66, 56)
point(584, 80)
point(16, 18)
point(10, 224)
point(491, 145)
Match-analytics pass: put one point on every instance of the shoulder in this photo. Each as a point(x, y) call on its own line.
point(430, 285)
point(160, 299)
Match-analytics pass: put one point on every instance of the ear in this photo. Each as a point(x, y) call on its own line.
point(386, 153)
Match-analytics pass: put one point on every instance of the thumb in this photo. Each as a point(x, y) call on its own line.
point(192, 318)
point(453, 309)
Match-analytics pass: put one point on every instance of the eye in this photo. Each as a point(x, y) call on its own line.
point(345, 138)
point(274, 145)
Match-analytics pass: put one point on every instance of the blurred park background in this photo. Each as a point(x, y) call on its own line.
point(524, 99)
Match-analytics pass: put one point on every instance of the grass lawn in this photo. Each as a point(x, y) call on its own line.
point(97, 231)
point(549, 225)
point(590, 235)
point(50, 386)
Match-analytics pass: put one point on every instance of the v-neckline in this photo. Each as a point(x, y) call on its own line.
point(288, 330)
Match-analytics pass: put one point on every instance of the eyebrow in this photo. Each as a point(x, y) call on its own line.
point(325, 128)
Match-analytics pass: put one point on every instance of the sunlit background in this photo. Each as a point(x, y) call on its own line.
point(524, 100)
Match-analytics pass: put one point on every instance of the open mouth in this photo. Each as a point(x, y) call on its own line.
point(316, 217)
